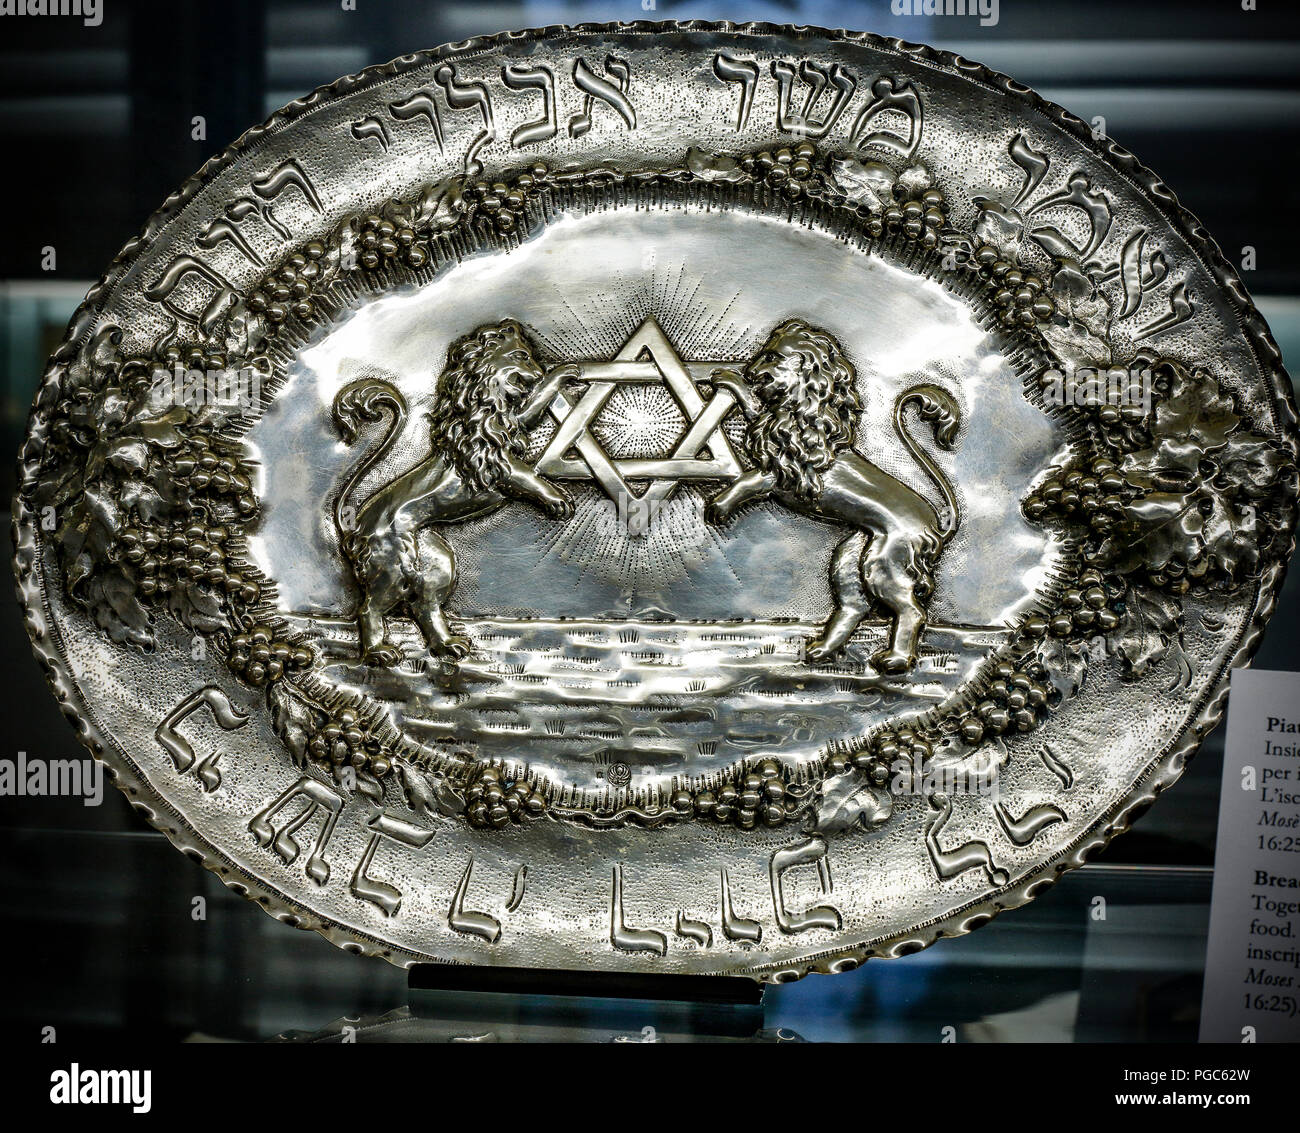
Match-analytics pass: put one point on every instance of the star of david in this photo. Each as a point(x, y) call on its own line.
point(575, 453)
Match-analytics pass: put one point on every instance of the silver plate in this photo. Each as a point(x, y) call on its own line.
point(674, 498)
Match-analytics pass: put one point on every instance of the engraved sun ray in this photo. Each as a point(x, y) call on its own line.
point(663, 292)
point(639, 421)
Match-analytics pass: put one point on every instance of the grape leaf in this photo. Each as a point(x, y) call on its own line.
point(293, 721)
point(847, 801)
point(1148, 623)
point(1251, 465)
point(1196, 410)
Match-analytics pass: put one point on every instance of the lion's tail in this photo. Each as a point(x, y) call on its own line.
point(937, 406)
point(366, 399)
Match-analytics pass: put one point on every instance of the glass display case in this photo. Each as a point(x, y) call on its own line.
point(113, 933)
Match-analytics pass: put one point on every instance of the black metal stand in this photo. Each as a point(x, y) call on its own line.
point(581, 1005)
point(599, 985)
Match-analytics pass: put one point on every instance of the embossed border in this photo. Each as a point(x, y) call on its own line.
point(1161, 773)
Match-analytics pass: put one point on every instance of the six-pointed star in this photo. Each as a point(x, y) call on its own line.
point(646, 358)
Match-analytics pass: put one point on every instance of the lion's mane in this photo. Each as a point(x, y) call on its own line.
point(798, 436)
point(477, 429)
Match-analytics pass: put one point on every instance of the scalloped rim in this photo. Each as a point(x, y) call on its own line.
point(1165, 771)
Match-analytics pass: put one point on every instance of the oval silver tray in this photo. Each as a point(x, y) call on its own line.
point(675, 498)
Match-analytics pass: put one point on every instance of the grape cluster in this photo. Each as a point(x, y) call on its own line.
point(494, 800)
point(261, 659)
point(1119, 404)
point(167, 556)
point(1179, 577)
point(1016, 700)
point(918, 218)
point(502, 205)
point(193, 358)
point(382, 242)
point(787, 169)
point(1088, 607)
point(342, 742)
point(199, 469)
point(1021, 296)
point(793, 171)
point(880, 759)
point(760, 795)
point(289, 288)
point(1094, 493)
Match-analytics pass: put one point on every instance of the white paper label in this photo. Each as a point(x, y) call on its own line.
point(1252, 963)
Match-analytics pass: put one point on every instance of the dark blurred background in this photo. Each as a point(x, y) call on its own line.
point(96, 127)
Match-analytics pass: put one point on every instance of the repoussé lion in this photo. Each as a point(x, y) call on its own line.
point(799, 394)
point(492, 389)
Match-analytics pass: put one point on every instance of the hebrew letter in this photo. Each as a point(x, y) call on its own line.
point(950, 863)
point(222, 296)
point(594, 87)
point(387, 897)
point(178, 747)
point(744, 72)
point(518, 77)
point(627, 939)
point(811, 852)
point(319, 798)
point(890, 94)
point(419, 105)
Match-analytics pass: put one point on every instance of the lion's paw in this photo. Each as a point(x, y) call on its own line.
point(891, 662)
point(819, 649)
point(455, 646)
point(384, 656)
point(560, 507)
